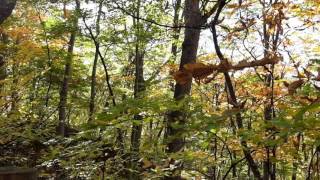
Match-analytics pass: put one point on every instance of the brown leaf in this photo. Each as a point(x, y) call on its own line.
point(182, 77)
point(307, 73)
point(198, 70)
point(294, 86)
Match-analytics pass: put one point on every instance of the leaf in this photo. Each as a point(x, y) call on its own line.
point(199, 70)
point(302, 111)
point(294, 86)
point(182, 77)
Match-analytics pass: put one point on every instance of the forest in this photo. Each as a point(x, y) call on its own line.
point(160, 89)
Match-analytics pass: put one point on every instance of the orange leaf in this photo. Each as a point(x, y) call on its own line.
point(182, 77)
point(198, 70)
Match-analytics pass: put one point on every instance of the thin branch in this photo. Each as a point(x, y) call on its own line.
point(232, 166)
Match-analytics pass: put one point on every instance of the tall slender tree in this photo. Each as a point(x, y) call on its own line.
point(176, 31)
point(67, 72)
point(139, 80)
point(193, 20)
point(94, 67)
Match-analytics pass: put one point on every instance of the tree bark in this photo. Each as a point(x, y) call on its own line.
point(193, 18)
point(6, 8)
point(176, 31)
point(67, 75)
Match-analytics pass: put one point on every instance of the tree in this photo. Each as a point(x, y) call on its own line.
point(67, 72)
point(245, 100)
point(94, 67)
point(193, 21)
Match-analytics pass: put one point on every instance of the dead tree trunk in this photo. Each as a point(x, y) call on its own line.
point(17, 173)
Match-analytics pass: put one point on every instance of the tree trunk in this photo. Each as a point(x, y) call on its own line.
point(270, 42)
point(67, 75)
point(94, 68)
point(138, 83)
point(193, 18)
point(176, 31)
point(6, 8)
point(139, 87)
point(295, 164)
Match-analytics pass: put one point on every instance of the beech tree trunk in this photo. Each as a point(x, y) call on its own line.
point(139, 87)
point(67, 76)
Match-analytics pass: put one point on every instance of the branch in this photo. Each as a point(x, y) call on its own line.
point(159, 24)
point(232, 166)
point(212, 10)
